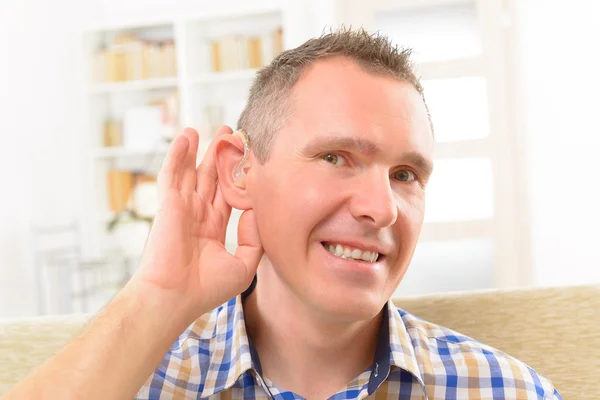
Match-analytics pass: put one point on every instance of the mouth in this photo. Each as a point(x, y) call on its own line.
point(351, 253)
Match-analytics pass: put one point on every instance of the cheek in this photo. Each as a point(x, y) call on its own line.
point(317, 195)
point(288, 206)
point(416, 212)
point(410, 221)
point(412, 207)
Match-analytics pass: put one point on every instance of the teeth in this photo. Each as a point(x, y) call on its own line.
point(366, 256)
point(356, 254)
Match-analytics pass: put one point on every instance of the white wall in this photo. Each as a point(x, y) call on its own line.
point(560, 83)
point(38, 148)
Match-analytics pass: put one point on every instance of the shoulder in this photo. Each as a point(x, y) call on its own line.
point(446, 355)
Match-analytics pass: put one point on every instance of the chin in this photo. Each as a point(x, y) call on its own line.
point(349, 304)
point(346, 289)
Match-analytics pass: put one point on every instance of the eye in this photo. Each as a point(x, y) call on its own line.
point(404, 175)
point(334, 159)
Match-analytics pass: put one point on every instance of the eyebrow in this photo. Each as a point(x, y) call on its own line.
point(366, 147)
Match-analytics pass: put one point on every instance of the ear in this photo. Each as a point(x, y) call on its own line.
point(229, 153)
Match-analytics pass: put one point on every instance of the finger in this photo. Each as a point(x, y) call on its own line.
point(194, 138)
point(173, 165)
point(188, 180)
point(222, 209)
point(250, 249)
point(206, 173)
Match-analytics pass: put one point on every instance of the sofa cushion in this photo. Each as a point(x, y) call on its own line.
point(555, 330)
point(25, 343)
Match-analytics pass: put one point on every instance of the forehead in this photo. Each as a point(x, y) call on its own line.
point(337, 96)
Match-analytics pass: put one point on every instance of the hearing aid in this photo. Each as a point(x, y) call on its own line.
point(239, 172)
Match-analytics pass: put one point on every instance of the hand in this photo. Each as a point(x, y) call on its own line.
point(185, 259)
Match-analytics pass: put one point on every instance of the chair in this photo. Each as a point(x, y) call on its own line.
point(67, 281)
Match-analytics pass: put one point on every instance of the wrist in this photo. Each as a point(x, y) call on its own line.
point(169, 309)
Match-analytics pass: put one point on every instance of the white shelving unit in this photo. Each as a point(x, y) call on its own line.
point(205, 98)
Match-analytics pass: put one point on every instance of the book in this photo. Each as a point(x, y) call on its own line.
point(98, 68)
point(171, 59)
point(236, 52)
point(112, 134)
point(255, 59)
point(277, 41)
point(120, 186)
point(228, 53)
point(131, 58)
point(267, 48)
point(216, 56)
point(241, 52)
point(109, 66)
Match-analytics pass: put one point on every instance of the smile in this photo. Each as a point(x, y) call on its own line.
point(350, 253)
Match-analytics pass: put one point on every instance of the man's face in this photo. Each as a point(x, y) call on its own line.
point(346, 173)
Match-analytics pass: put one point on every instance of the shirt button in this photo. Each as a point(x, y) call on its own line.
point(376, 369)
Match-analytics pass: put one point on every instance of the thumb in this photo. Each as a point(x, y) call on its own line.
point(250, 249)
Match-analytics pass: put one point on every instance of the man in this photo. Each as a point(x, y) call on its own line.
point(332, 178)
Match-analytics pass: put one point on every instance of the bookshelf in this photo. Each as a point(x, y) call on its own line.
point(148, 80)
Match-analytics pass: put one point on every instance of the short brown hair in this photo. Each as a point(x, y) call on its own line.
point(268, 104)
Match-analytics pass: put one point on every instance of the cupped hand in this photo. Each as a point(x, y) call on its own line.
point(185, 259)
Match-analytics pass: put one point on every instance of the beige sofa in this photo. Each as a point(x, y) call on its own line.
point(554, 330)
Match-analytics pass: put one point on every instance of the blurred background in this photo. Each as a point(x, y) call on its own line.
point(91, 93)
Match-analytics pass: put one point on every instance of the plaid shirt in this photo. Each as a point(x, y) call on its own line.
point(414, 359)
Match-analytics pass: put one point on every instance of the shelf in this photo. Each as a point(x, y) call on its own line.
point(228, 76)
point(131, 86)
point(120, 152)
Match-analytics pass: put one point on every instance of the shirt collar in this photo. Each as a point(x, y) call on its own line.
point(394, 346)
point(401, 350)
point(229, 347)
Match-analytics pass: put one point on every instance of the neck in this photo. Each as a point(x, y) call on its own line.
point(300, 348)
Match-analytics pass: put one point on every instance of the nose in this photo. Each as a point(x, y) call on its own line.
point(374, 201)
